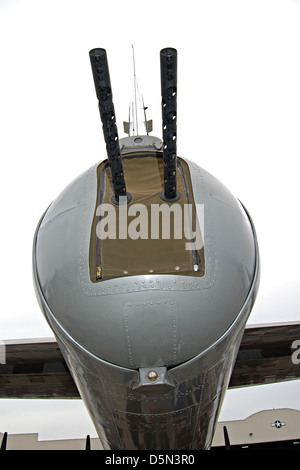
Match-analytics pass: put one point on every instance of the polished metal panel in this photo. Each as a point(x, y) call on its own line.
point(93, 314)
point(182, 416)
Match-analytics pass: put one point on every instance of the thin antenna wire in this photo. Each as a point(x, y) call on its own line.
point(135, 120)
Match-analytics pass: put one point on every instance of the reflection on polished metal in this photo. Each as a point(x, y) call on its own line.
point(118, 322)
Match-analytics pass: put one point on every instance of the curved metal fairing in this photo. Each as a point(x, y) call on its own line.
point(149, 325)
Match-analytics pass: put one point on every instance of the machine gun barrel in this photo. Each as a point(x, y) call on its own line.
point(101, 76)
point(168, 70)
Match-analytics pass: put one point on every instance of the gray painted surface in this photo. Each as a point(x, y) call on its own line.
point(112, 332)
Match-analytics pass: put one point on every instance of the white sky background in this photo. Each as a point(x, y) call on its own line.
point(238, 117)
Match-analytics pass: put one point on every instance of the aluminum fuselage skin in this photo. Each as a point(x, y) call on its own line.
point(114, 332)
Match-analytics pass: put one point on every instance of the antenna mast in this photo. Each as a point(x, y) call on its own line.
point(137, 123)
